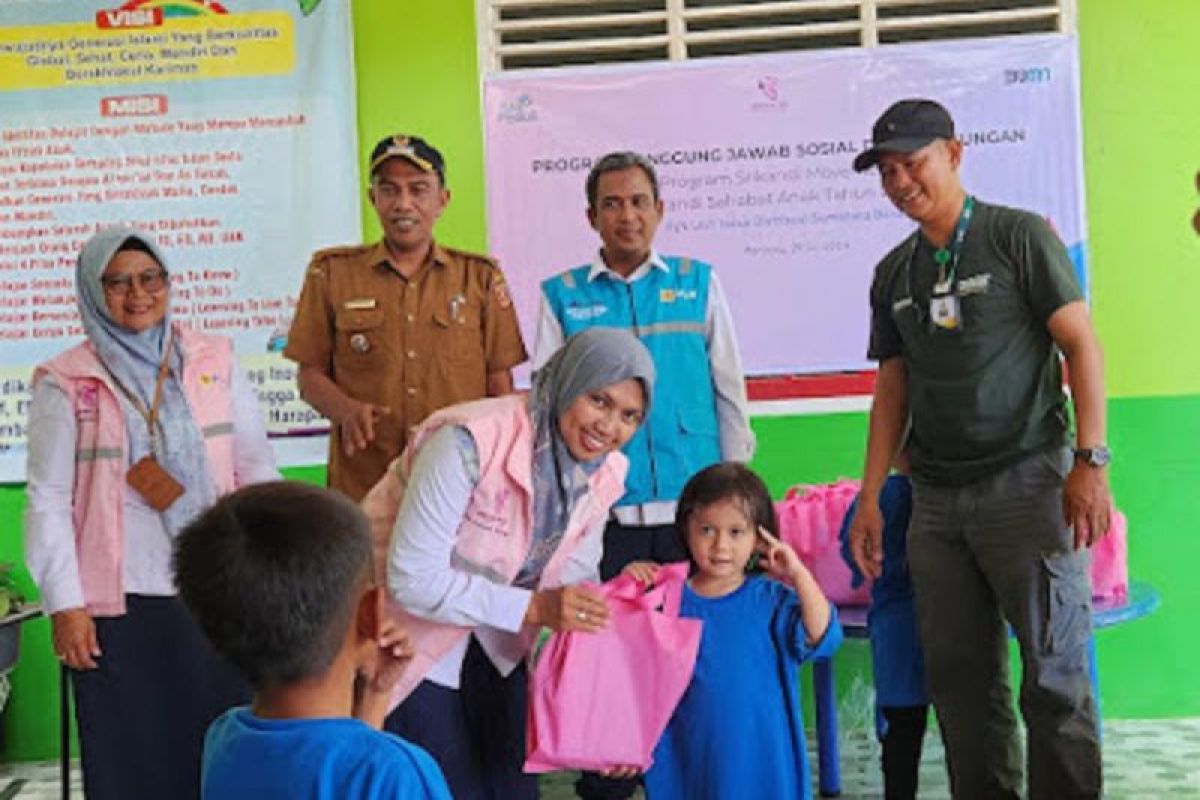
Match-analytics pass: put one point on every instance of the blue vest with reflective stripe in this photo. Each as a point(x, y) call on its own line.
point(666, 310)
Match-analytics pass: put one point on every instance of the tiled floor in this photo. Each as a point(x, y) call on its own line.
point(1154, 760)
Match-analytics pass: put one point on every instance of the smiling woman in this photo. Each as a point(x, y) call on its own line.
point(488, 520)
point(131, 434)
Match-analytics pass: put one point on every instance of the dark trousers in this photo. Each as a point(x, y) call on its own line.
point(991, 553)
point(476, 733)
point(902, 750)
point(144, 711)
point(622, 545)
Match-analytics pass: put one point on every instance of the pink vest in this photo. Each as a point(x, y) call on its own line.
point(495, 534)
point(97, 502)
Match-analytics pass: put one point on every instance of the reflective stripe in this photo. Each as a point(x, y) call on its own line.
point(98, 454)
point(458, 562)
point(670, 327)
point(217, 429)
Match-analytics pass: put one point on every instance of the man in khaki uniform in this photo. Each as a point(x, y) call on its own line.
point(387, 333)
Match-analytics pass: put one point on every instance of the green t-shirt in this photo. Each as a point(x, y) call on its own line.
point(989, 393)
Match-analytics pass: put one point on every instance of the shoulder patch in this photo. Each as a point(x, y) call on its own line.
point(500, 291)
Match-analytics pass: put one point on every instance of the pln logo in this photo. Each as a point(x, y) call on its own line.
point(519, 109)
point(1013, 77)
point(770, 95)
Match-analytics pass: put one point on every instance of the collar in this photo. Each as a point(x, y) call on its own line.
point(379, 255)
point(598, 268)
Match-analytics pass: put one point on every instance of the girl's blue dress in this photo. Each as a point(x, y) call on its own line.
point(738, 732)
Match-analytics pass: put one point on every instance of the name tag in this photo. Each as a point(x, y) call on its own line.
point(582, 312)
point(976, 284)
point(360, 304)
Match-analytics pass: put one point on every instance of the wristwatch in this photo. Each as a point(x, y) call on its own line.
point(1097, 456)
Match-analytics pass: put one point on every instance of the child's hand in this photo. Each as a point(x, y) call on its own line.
point(778, 558)
point(643, 572)
point(395, 651)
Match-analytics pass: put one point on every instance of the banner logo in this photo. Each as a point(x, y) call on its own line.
point(771, 94)
point(519, 109)
point(151, 13)
point(1026, 75)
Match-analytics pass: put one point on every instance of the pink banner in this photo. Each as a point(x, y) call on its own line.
point(754, 161)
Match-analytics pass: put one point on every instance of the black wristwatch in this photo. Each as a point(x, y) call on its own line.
point(1097, 456)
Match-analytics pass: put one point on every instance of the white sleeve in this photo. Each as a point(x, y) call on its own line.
point(420, 575)
point(549, 334)
point(254, 461)
point(50, 472)
point(729, 380)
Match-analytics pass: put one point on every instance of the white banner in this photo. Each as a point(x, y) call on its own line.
point(754, 161)
point(225, 129)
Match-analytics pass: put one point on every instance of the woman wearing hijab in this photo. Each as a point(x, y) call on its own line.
point(502, 504)
point(130, 435)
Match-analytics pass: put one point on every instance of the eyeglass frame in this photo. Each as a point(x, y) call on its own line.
point(119, 285)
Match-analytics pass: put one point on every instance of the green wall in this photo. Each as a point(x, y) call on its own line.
point(417, 72)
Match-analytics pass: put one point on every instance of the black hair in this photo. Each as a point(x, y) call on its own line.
point(617, 162)
point(272, 573)
point(727, 480)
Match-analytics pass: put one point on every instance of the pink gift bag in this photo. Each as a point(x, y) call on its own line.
point(1110, 560)
point(602, 700)
point(810, 519)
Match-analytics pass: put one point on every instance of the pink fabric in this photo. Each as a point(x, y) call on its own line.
point(603, 700)
point(810, 519)
point(503, 433)
point(101, 460)
point(1110, 561)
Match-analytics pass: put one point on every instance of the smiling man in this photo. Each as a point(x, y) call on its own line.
point(387, 333)
point(676, 307)
point(969, 315)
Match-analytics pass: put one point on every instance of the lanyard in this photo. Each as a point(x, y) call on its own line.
point(943, 256)
point(150, 414)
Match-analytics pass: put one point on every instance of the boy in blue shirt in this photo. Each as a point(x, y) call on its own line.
point(279, 577)
point(897, 662)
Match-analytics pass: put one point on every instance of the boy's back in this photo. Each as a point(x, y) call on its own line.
point(279, 576)
point(313, 759)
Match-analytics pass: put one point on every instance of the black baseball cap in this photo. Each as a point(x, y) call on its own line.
point(905, 127)
point(412, 149)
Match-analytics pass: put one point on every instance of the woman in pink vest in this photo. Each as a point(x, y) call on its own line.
point(131, 434)
point(501, 510)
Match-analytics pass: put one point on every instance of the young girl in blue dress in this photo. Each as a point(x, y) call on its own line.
point(738, 731)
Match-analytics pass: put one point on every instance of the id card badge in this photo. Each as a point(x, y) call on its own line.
point(944, 312)
point(156, 486)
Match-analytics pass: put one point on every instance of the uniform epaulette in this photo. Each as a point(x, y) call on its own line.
point(341, 250)
point(465, 254)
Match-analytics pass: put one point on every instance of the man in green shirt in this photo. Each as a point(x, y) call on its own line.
point(969, 316)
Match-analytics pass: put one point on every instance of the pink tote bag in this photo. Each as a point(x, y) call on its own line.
point(1110, 561)
point(602, 700)
point(810, 519)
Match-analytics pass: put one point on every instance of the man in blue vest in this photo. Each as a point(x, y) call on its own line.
point(676, 307)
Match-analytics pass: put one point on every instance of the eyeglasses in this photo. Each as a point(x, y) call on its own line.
point(151, 281)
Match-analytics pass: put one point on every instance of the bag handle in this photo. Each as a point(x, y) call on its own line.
point(666, 592)
point(670, 580)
